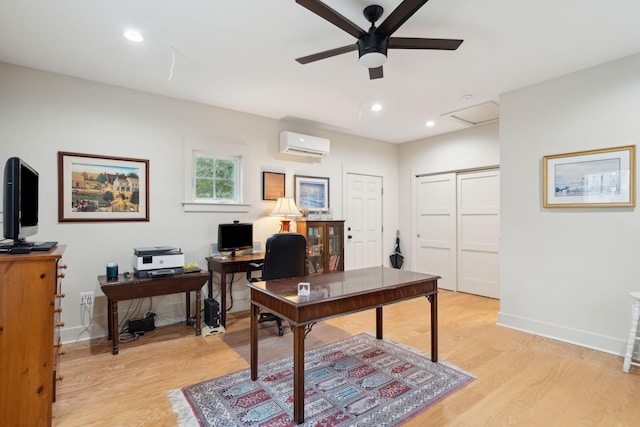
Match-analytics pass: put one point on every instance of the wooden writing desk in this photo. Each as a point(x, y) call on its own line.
point(225, 266)
point(123, 288)
point(332, 295)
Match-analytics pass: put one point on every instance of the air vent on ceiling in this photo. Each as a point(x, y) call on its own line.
point(476, 115)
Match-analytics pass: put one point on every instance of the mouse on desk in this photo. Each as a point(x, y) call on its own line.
point(127, 275)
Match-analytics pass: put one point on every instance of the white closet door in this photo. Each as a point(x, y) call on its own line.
point(479, 233)
point(435, 243)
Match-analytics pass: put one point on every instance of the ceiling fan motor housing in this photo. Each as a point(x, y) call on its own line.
point(373, 43)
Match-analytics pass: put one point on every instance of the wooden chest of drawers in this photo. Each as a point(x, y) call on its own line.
point(30, 293)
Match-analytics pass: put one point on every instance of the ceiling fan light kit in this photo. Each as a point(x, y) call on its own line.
point(372, 45)
point(372, 50)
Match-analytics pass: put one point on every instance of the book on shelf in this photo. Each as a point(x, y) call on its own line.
point(333, 262)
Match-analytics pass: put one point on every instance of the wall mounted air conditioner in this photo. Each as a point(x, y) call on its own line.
point(303, 145)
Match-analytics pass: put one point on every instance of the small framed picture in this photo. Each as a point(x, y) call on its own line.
point(272, 185)
point(311, 193)
point(304, 289)
point(102, 188)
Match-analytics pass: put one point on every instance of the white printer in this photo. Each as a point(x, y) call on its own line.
point(157, 261)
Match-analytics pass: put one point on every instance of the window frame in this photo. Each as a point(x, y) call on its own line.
point(237, 179)
point(216, 150)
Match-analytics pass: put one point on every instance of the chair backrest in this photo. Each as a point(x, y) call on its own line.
point(285, 256)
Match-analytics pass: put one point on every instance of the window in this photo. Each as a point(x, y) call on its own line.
point(214, 174)
point(216, 178)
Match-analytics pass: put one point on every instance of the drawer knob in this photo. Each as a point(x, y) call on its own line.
point(60, 295)
point(60, 325)
point(60, 378)
point(61, 275)
point(62, 267)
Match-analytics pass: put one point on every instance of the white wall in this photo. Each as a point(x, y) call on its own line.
point(477, 147)
point(43, 113)
point(567, 273)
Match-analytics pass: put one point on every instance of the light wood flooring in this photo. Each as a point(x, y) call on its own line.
point(521, 379)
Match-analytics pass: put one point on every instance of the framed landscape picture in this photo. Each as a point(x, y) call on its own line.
point(311, 193)
point(102, 188)
point(595, 178)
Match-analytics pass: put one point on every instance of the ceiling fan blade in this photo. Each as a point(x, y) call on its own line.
point(417, 43)
point(327, 54)
point(324, 11)
point(400, 14)
point(375, 73)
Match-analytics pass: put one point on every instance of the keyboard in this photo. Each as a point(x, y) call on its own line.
point(43, 246)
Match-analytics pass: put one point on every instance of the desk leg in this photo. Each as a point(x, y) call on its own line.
point(113, 320)
point(188, 298)
point(109, 316)
point(210, 284)
point(298, 374)
point(379, 323)
point(198, 313)
point(433, 299)
point(254, 341)
point(223, 299)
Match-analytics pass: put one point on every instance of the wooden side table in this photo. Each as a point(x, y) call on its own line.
point(126, 288)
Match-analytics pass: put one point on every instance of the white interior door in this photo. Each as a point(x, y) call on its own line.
point(479, 233)
point(363, 221)
point(435, 243)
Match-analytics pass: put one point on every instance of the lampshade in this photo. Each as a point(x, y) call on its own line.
point(286, 207)
point(373, 59)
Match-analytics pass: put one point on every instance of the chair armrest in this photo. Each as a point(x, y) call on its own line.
point(251, 267)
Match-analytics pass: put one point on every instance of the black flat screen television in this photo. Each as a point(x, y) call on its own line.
point(235, 237)
point(20, 201)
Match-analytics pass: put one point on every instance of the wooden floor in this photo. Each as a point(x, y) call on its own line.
point(521, 379)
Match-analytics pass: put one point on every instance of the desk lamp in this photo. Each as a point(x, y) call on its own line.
point(287, 207)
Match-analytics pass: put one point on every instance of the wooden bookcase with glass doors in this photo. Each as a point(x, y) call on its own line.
point(325, 245)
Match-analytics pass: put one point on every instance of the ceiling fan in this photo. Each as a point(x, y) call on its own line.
point(372, 45)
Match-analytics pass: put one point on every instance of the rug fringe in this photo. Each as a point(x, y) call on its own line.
point(186, 417)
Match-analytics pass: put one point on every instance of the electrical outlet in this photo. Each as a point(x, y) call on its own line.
point(86, 298)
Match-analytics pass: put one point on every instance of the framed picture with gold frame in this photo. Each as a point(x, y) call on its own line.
point(594, 178)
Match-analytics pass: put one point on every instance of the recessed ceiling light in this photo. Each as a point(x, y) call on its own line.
point(376, 107)
point(430, 123)
point(133, 35)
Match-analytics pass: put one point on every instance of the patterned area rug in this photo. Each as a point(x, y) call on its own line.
point(358, 380)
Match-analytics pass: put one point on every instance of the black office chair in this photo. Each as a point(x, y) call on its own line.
point(285, 256)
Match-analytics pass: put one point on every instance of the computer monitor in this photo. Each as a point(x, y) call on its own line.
point(235, 237)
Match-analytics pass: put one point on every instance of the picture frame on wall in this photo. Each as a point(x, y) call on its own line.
point(272, 185)
point(593, 178)
point(311, 193)
point(102, 188)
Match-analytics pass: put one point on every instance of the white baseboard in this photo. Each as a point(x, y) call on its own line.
point(606, 344)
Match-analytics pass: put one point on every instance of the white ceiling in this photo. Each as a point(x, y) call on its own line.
point(240, 54)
